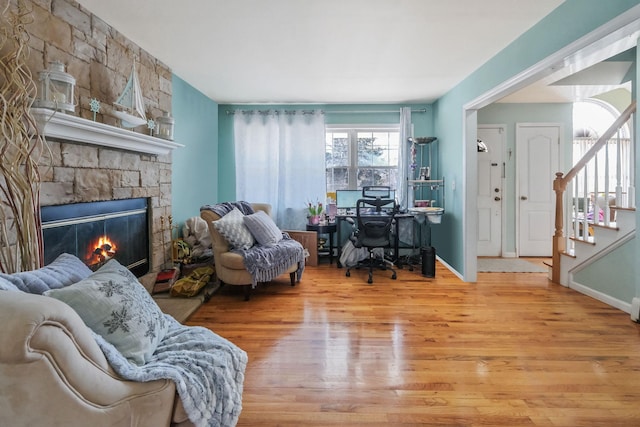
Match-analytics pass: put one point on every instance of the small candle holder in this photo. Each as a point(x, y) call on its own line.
point(56, 89)
point(164, 126)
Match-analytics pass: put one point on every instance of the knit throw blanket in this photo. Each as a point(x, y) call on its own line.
point(208, 371)
point(265, 263)
point(225, 207)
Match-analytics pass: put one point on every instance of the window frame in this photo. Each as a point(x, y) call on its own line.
point(352, 152)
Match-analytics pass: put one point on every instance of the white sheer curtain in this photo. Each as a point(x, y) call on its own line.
point(280, 161)
point(403, 160)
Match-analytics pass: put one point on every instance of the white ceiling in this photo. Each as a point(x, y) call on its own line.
point(329, 51)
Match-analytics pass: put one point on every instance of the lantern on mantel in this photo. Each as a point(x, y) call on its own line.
point(56, 89)
point(164, 126)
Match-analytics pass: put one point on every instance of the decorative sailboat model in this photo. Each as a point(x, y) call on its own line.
point(130, 104)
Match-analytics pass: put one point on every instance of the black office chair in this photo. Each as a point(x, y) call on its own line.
point(375, 218)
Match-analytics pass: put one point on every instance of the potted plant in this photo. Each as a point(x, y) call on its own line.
point(314, 212)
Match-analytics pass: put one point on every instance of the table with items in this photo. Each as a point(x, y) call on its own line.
point(329, 229)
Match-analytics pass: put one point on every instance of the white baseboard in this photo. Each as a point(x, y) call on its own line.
point(607, 299)
point(635, 309)
point(451, 269)
point(509, 255)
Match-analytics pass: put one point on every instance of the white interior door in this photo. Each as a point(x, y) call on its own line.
point(490, 195)
point(537, 153)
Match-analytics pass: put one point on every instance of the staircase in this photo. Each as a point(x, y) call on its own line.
point(603, 240)
point(598, 213)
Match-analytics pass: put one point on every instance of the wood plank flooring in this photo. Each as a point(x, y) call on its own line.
point(511, 350)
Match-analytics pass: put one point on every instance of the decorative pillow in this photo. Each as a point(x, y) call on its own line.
point(116, 306)
point(263, 229)
point(5, 285)
point(232, 228)
point(65, 270)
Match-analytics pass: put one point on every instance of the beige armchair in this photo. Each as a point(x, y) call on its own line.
point(230, 267)
point(52, 372)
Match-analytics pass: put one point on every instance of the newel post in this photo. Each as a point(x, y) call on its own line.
point(559, 186)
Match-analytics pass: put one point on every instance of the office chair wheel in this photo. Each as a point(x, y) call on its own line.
point(394, 276)
point(370, 278)
point(348, 273)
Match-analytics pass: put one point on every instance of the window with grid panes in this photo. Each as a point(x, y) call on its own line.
point(361, 156)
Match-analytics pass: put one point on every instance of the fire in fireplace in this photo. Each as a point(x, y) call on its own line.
point(103, 250)
point(95, 232)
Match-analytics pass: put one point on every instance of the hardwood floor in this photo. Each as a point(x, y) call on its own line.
point(511, 350)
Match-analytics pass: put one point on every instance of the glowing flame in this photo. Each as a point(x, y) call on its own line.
point(101, 250)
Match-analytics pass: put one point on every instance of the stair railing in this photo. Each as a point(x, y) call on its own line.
point(577, 177)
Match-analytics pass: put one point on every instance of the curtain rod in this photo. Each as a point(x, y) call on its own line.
point(421, 110)
point(231, 112)
point(273, 111)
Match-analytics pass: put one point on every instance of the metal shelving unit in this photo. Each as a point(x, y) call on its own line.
point(423, 188)
point(428, 189)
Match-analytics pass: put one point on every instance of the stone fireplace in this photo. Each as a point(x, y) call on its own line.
point(96, 232)
point(92, 162)
point(106, 162)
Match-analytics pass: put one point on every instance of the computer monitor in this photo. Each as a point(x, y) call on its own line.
point(346, 199)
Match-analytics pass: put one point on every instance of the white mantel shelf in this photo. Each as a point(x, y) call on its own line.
point(52, 124)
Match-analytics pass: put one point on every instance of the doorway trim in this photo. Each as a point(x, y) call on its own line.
point(618, 28)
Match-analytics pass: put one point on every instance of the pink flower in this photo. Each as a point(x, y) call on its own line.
point(314, 209)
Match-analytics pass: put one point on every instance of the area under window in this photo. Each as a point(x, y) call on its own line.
point(358, 156)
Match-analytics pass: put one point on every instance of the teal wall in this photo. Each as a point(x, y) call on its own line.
point(613, 275)
point(570, 21)
point(334, 114)
point(567, 23)
point(194, 169)
point(510, 115)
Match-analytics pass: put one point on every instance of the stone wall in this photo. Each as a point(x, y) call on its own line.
point(101, 60)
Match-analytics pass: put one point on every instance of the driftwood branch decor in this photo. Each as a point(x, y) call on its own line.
point(21, 146)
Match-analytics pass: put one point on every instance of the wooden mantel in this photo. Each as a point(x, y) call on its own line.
point(58, 125)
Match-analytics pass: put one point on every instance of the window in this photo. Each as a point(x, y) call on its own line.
point(360, 156)
point(590, 120)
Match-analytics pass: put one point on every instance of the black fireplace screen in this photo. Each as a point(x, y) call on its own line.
point(98, 231)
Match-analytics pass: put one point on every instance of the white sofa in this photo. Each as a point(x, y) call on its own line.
point(54, 371)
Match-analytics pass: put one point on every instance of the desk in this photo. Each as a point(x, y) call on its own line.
point(396, 241)
point(329, 229)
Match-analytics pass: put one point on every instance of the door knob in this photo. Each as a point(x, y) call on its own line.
point(497, 199)
point(523, 197)
point(497, 190)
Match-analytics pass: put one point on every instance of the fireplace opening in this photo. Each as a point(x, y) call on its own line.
point(96, 232)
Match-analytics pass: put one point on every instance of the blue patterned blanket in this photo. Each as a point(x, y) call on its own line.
point(208, 371)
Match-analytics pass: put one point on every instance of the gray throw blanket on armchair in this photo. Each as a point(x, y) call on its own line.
point(225, 207)
point(265, 263)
